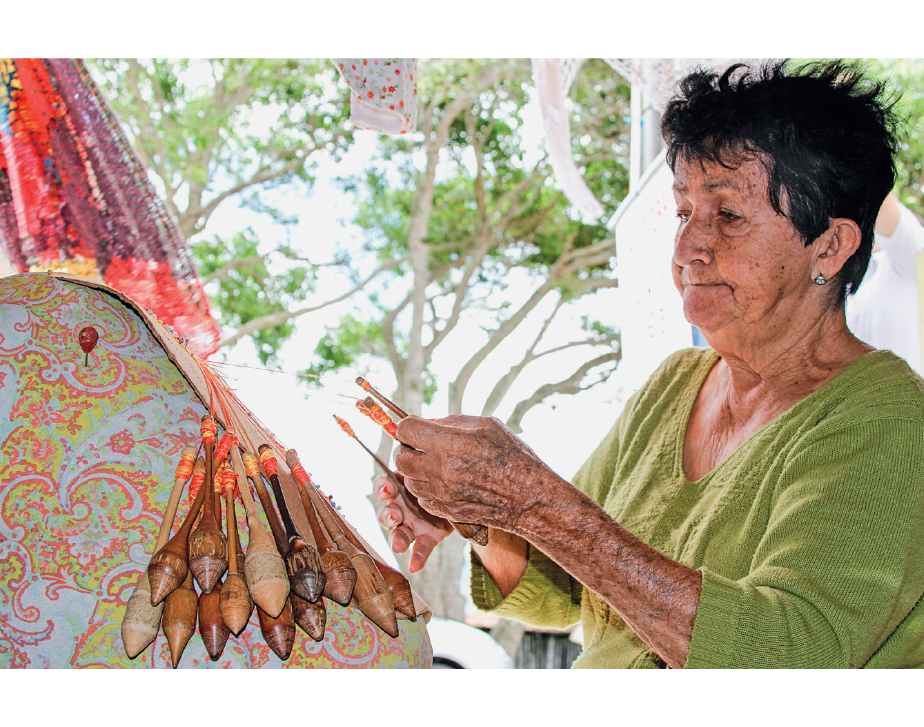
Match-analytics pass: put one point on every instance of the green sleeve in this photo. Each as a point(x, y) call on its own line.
point(546, 596)
point(841, 563)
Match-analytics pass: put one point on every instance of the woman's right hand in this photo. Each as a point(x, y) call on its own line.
point(404, 528)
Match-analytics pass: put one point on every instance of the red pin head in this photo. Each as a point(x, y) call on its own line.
point(87, 339)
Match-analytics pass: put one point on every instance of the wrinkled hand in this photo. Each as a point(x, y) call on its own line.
point(469, 469)
point(404, 527)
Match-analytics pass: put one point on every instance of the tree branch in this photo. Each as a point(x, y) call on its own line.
point(224, 271)
point(280, 317)
point(571, 385)
point(388, 333)
point(503, 384)
point(195, 218)
point(508, 326)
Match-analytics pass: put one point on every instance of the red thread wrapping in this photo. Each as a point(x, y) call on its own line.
point(299, 473)
point(378, 415)
point(224, 446)
point(209, 430)
point(268, 460)
point(185, 467)
point(197, 480)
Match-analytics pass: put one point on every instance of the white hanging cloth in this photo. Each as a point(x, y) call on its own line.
point(553, 78)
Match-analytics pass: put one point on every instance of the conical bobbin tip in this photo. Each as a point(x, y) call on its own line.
point(165, 572)
point(235, 603)
point(207, 570)
point(341, 576)
point(310, 617)
point(279, 633)
point(308, 584)
point(267, 581)
point(380, 610)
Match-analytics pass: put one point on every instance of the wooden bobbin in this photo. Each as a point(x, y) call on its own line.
point(264, 568)
point(142, 616)
point(181, 608)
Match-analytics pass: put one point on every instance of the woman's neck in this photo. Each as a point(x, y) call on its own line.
point(790, 366)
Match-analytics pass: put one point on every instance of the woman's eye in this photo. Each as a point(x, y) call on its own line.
point(683, 215)
point(729, 215)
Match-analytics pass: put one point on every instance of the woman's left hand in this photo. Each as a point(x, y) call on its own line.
point(470, 469)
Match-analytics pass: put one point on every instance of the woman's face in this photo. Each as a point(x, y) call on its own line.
point(741, 268)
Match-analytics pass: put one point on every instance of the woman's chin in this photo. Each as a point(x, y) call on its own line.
point(706, 306)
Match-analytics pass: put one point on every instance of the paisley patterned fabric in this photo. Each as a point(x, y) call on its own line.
point(87, 460)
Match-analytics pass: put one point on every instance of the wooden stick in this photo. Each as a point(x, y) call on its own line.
point(366, 386)
point(208, 545)
point(338, 568)
point(371, 592)
point(169, 565)
point(142, 616)
point(235, 604)
point(397, 584)
point(252, 466)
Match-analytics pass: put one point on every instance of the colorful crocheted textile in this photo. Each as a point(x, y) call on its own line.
point(88, 455)
point(75, 198)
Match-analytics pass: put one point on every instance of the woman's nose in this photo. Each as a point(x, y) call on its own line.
point(693, 242)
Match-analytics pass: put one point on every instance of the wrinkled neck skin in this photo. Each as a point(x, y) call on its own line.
point(785, 360)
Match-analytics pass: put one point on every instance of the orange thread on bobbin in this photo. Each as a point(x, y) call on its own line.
point(224, 446)
point(185, 467)
point(209, 429)
point(298, 472)
point(197, 479)
point(251, 466)
point(344, 426)
point(378, 415)
point(268, 460)
point(229, 480)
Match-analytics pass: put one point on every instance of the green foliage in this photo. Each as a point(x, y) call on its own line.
point(344, 344)
point(206, 126)
point(907, 77)
point(248, 289)
point(599, 331)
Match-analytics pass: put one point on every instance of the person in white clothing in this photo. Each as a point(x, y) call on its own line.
point(884, 310)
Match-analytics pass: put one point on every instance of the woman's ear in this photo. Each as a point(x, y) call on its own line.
point(836, 245)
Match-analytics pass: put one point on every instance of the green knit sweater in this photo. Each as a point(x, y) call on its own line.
point(809, 537)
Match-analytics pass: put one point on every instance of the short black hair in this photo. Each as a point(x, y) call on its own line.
point(826, 133)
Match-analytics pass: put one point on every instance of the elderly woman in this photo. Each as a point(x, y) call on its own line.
point(759, 503)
